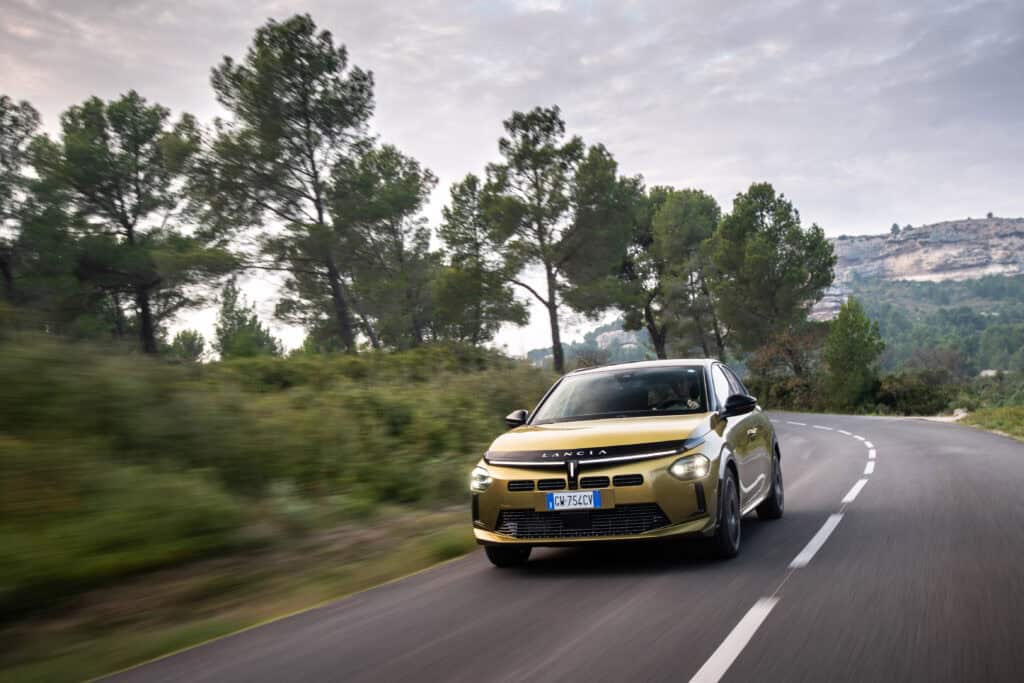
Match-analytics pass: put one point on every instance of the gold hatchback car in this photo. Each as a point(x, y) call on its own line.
point(637, 451)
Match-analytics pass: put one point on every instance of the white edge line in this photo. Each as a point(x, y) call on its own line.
point(869, 468)
point(858, 437)
point(849, 498)
point(871, 454)
point(722, 658)
point(827, 429)
point(843, 431)
point(818, 540)
point(798, 424)
point(869, 444)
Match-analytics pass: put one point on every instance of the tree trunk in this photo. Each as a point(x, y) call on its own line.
point(368, 329)
point(657, 335)
point(147, 330)
point(414, 318)
point(557, 355)
point(341, 312)
point(698, 323)
point(715, 325)
point(8, 276)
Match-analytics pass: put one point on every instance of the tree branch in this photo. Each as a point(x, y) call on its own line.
point(533, 291)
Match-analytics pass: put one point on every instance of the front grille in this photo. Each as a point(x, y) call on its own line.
point(628, 480)
point(521, 485)
point(551, 484)
point(623, 520)
point(594, 482)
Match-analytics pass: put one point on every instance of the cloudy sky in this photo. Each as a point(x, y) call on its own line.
point(863, 113)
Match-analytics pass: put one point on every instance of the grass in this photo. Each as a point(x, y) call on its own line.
point(157, 614)
point(1009, 420)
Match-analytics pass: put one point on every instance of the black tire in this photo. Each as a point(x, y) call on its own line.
point(508, 555)
point(774, 505)
point(726, 541)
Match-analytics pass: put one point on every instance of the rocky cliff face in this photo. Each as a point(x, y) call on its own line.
point(953, 250)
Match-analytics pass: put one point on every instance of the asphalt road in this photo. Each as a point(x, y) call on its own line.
point(921, 579)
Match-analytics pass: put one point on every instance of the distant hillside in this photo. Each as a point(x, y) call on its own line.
point(605, 344)
point(980, 320)
point(953, 250)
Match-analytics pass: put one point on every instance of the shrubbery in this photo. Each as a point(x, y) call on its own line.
point(111, 464)
point(914, 393)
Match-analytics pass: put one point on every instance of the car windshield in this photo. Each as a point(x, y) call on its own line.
point(625, 393)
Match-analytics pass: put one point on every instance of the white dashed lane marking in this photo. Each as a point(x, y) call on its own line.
point(818, 540)
point(852, 495)
point(733, 645)
point(721, 659)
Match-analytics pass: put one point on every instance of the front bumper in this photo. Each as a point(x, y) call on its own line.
point(658, 506)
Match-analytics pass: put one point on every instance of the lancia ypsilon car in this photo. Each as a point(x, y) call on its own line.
point(637, 451)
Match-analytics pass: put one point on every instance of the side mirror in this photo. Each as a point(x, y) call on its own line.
point(516, 418)
point(738, 404)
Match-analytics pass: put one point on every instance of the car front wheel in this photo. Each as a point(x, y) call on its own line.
point(773, 505)
point(726, 541)
point(507, 555)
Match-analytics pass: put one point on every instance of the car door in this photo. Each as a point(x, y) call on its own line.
point(759, 432)
point(737, 437)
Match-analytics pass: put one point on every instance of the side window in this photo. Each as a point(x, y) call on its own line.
point(735, 385)
point(722, 389)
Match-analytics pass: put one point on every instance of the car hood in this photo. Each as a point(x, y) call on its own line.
point(594, 439)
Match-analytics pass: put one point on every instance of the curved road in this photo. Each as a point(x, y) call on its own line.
point(921, 578)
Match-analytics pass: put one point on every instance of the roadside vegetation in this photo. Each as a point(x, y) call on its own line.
point(1008, 420)
point(146, 616)
point(112, 464)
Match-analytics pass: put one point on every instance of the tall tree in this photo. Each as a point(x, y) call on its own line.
point(472, 296)
point(659, 282)
point(681, 224)
point(767, 270)
point(239, 332)
point(18, 124)
point(377, 198)
point(851, 353)
point(297, 111)
point(537, 199)
point(122, 166)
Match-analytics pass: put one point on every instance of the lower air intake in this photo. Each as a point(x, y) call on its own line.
point(623, 520)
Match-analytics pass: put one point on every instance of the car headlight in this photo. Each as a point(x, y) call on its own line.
point(691, 467)
point(479, 479)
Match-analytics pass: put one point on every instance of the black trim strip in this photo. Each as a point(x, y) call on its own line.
point(555, 457)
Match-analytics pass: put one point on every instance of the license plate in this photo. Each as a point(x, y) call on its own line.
point(574, 500)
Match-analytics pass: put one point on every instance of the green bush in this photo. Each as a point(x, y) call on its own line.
point(114, 463)
point(788, 393)
point(71, 520)
point(914, 393)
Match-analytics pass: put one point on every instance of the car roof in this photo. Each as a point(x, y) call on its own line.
point(671, 362)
